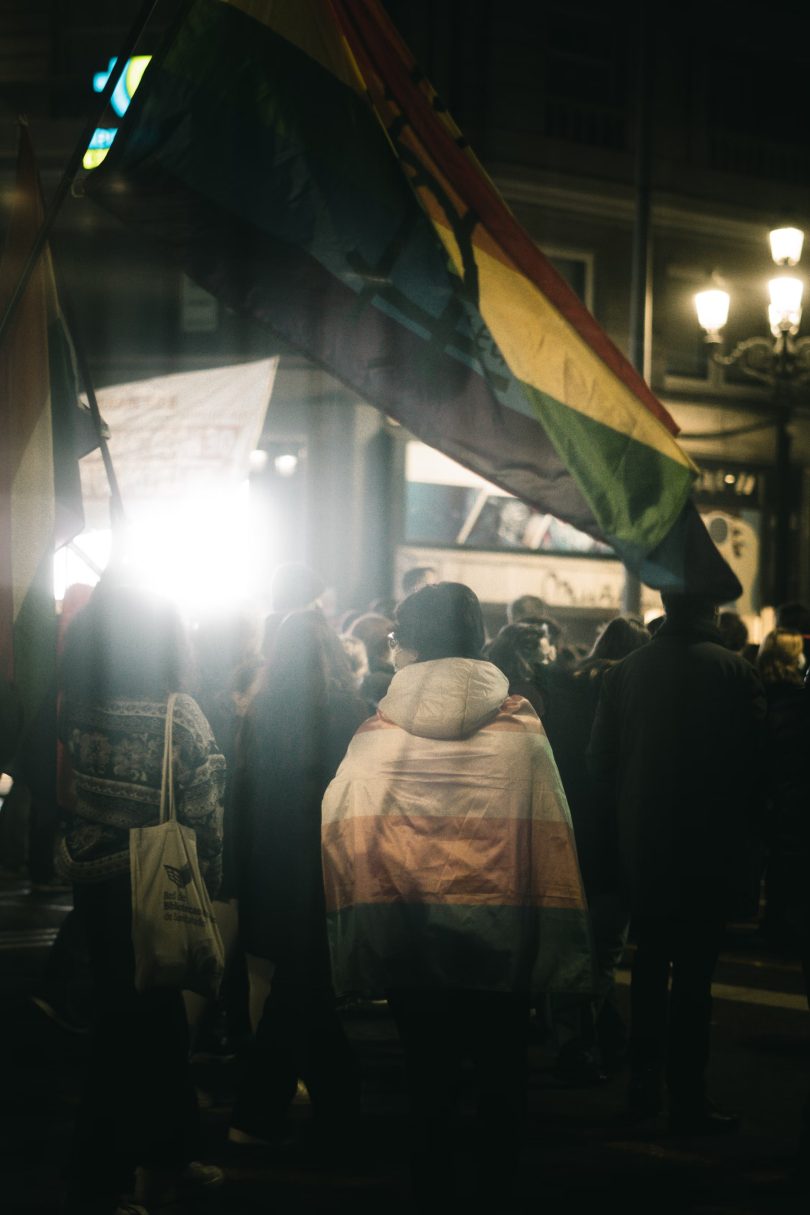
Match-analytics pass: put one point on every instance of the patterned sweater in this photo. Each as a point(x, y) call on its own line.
point(116, 750)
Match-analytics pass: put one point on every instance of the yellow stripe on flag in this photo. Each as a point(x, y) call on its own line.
point(544, 351)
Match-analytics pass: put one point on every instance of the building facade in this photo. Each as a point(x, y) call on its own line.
point(599, 123)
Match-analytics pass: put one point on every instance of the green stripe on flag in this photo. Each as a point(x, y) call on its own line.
point(635, 492)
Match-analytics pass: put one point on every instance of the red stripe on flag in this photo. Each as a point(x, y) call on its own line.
point(374, 40)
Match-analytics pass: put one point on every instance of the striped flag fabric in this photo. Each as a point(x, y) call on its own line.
point(295, 162)
point(450, 862)
point(43, 431)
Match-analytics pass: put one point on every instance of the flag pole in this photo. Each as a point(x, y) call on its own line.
point(640, 283)
point(73, 165)
point(117, 514)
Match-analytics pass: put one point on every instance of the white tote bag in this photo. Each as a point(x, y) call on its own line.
point(174, 932)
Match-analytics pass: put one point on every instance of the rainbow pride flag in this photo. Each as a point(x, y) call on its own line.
point(43, 433)
point(295, 162)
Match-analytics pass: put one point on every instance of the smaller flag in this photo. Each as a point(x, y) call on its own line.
point(43, 432)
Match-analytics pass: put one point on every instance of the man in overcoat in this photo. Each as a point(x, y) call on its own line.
point(677, 746)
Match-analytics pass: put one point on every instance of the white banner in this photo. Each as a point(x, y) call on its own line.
point(178, 436)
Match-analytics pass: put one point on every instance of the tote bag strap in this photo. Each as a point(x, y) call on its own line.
point(167, 810)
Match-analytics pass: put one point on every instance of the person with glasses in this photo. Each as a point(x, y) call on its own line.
point(452, 883)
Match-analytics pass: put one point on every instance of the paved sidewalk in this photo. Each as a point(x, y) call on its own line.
point(580, 1154)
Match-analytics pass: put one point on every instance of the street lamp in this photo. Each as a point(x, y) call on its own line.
point(783, 363)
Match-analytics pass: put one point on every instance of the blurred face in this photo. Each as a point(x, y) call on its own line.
point(543, 651)
point(400, 657)
point(429, 578)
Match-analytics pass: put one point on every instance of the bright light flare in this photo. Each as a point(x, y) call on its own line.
point(786, 246)
point(785, 308)
point(198, 552)
point(712, 310)
point(204, 553)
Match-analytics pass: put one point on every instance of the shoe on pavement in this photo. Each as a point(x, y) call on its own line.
point(247, 1139)
point(202, 1176)
point(59, 1016)
point(276, 1141)
point(705, 1119)
point(161, 1187)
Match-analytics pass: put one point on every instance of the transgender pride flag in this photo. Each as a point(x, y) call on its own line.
point(42, 434)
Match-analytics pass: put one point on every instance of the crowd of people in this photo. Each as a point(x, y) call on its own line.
point(393, 806)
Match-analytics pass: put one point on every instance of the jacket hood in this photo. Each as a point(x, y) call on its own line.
point(446, 698)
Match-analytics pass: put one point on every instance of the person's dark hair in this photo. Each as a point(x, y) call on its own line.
point(618, 638)
point(373, 629)
point(684, 609)
point(385, 606)
point(441, 621)
point(781, 657)
point(307, 651)
point(347, 619)
point(793, 618)
point(412, 578)
point(125, 644)
point(570, 655)
point(733, 630)
point(529, 609)
point(525, 607)
point(355, 651)
point(307, 667)
point(516, 651)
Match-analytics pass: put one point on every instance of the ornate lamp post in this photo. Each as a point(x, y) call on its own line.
point(783, 363)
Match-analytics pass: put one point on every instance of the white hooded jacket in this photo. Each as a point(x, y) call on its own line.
point(448, 852)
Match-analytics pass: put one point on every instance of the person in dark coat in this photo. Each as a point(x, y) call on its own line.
point(294, 736)
point(678, 739)
point(519, 650)
point(227, 667)
point(780, 665)
point(590, 1032)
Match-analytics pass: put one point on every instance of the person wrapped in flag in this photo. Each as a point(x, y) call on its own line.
point(451, 876)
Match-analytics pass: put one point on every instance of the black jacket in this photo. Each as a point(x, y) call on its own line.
point(570, 701)
point(277, 813)
point(679, 740)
